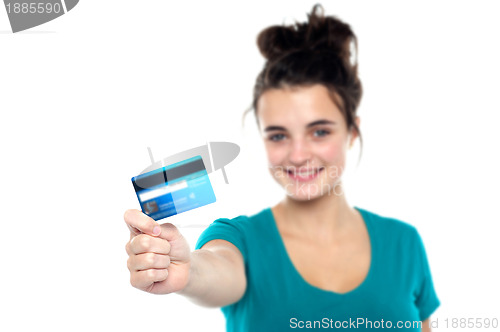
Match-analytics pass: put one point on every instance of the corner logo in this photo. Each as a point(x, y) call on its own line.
point(26, 14)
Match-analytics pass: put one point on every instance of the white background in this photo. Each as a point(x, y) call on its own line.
point(83, 96)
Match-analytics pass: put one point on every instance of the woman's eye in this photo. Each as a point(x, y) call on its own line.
point(321, 132)
point(277, 137)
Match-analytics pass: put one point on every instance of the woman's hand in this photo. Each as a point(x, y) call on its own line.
point(159, 256)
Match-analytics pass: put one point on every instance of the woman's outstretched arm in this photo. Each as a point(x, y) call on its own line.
point(217, 275)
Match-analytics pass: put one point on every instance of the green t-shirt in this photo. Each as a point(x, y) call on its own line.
point(397, 291)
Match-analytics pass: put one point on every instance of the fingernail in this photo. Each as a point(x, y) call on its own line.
point(156, 230)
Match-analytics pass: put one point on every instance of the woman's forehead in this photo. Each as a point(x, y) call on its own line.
point(297, 104)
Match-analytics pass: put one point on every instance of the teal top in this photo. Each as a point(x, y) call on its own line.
point(397, 290)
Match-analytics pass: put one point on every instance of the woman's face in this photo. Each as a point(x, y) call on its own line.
point(306, 140)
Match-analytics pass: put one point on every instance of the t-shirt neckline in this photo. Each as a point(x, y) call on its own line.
point(291, 266)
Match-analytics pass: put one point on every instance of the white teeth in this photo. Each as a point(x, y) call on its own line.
point(303, 174)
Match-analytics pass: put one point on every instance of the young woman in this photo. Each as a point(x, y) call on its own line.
point(312, 260)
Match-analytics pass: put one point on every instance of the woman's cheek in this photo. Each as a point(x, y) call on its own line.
point(333, 156)
point(275, 159)
point(275, 156)
point(330, 152)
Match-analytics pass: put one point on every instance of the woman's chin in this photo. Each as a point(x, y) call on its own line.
point(311, 191)
point(304, 193)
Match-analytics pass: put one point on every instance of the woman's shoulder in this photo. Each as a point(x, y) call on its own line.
point(236, 229)
point(260, 217)
point(388, 225)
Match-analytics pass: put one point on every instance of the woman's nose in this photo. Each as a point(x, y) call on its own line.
point(299, 152)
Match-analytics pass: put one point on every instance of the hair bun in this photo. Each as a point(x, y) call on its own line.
point(275, 41)
point(319, 34)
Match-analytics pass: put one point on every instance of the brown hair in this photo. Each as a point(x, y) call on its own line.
point(315, 52)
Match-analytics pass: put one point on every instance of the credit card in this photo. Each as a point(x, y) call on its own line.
point(174, 189)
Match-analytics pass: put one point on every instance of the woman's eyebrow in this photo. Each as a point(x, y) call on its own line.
point(321, 122)
point(312, 124)
point(271, 128)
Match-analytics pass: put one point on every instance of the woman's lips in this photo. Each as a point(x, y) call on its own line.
point(304, 176)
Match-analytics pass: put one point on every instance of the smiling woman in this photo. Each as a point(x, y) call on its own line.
point(306, 139)
point(312, 257)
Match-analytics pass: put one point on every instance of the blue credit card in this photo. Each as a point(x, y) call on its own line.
point(173, 189)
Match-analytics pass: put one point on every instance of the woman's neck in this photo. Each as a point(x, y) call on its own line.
point(325, 217)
